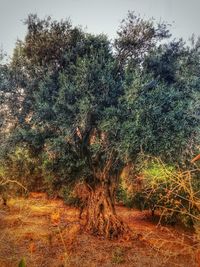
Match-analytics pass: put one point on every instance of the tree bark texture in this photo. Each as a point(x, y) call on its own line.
point(102, 219)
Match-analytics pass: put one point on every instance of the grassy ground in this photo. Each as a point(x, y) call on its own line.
point(47, 233)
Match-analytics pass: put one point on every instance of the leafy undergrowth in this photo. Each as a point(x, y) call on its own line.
point(48, 233)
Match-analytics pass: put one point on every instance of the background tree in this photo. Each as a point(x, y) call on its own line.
point(161, 104)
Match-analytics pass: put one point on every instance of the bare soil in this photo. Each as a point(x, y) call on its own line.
point(47, 233)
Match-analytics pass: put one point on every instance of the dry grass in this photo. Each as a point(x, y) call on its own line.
point(47, 233)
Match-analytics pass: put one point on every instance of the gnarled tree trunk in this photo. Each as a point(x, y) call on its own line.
point(102, 219)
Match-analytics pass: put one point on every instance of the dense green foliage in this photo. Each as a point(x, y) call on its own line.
point(161, 101)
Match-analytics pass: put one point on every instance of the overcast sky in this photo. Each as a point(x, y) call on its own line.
point(97, 15)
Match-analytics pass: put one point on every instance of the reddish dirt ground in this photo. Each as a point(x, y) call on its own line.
point(47, 233)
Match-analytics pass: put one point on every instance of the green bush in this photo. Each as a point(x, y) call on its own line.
point(123, 195)
point(170, 191)
point(20, 166)
point(68, 196)
point(22, 263)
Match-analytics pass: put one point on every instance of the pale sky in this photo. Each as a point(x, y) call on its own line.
point(97, 15)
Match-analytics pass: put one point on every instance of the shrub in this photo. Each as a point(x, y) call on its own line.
point(171, 191)
point(21, 168)
point(68, 196)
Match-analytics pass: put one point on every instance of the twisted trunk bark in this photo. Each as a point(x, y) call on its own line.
point(102, 219)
